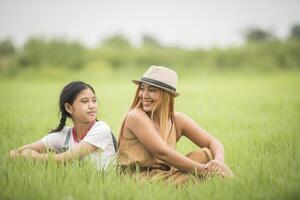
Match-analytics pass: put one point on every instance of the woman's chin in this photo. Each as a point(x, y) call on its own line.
point(146, 109)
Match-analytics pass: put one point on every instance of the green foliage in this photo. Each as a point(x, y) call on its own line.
point(295, 32)
point(256, 34)
point(117, 41)
point(8, 60)
point(57, 52)
point(150, 41)
point(261, 52)
point(7, 47)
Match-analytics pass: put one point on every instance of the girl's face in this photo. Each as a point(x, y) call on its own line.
point(149, 96)
point(84, 108)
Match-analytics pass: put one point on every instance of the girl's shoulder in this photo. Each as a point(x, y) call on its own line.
point(100, 123)
point(56, 139)
point(100, 126)
point(61, 133)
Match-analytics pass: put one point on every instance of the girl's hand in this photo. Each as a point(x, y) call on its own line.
point(216, 167)
point(14, 153)
point(29, 153)
point(26, 153)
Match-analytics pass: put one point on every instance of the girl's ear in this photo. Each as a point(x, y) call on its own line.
point(68, 108)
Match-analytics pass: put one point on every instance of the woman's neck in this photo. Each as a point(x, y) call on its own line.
point(156, 115)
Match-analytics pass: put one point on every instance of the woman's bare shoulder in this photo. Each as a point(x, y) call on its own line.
point(182, 120)
point(178, 120)
point(180, 116)
point(136, 115)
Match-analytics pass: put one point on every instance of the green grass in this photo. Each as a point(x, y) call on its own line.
point(255, 116)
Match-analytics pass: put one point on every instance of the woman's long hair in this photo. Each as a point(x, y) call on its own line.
point(166, 111)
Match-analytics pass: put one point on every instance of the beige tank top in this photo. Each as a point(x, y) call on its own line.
point(132, 153)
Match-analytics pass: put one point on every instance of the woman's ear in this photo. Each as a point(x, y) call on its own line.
point(69, 108)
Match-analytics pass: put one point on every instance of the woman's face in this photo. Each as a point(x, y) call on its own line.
point(84, 108)
point(150, 96)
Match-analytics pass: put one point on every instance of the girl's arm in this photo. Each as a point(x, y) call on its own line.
point(139, 124)
point(37, 146)
point(199, 136)
point(80, 150)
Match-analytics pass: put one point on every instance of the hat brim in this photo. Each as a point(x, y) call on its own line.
point(158, 86)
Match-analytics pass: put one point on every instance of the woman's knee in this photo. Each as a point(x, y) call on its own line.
point(202, 155)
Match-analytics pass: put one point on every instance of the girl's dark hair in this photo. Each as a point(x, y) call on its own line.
point(68, 95)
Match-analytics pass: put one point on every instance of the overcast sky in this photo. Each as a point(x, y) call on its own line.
point(189, 23)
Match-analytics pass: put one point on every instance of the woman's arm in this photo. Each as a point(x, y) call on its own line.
point(199, 136)
point(139, 124)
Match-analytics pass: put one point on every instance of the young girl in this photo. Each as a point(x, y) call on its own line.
point(152, 128)
point(88, 136)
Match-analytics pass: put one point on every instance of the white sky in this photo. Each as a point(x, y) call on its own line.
point(189, 23)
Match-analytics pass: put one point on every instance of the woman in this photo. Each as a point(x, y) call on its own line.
point(152, 128)
point(88, 137)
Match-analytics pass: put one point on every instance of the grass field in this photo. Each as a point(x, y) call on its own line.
point(256, 117)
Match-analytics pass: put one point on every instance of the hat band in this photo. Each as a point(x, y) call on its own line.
point(155, 82)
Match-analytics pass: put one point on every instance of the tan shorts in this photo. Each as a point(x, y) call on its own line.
point(176, 176)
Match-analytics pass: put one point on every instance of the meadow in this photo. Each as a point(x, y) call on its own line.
point(255, 115)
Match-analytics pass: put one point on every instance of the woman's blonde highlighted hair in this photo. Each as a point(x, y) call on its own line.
point(166, 105)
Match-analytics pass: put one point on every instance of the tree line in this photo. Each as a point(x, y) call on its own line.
point(262, 50)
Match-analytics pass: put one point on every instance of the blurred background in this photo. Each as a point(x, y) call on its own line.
point(58, 38)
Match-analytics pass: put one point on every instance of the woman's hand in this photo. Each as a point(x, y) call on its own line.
point(216, 167)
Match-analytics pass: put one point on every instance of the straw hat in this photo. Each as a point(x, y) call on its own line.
point(160, 77)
